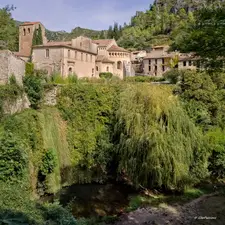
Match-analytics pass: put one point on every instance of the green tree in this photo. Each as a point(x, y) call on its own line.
point(102, 35)
point(13, 161)
point(39, 36)
point(205, 37)
point(9, 32)
point(110, 33)
point(33, 85)
point(158, 145)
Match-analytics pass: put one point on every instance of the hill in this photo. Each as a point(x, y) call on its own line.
point(162, 23)
point(76, 32)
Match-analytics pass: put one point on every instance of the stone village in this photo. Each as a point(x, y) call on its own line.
point(85, 57)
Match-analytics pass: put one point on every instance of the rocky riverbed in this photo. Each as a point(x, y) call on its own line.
point(206, 210)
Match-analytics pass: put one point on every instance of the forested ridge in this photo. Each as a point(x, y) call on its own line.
point(162, 23)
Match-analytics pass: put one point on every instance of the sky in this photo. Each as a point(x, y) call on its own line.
point(65, 15)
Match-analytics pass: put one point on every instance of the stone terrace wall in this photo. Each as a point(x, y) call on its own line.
point(11, 64)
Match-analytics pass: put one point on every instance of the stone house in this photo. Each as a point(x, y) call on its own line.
point(81, 56)
point(26, 33)
point(73, 57)
point(10, 65)
point(112, 58)
point(158, 61)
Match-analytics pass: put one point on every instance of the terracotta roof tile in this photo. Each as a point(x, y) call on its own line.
point(102, 42)
point(104, 59)
point(56, 43)
point(29, 23)
point(117, 49)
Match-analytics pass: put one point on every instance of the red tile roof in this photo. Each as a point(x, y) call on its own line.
point(66, 44)
point(104, 59)
point(117, 49)
point(102, 42)
point(56, 43)
point(29, 23)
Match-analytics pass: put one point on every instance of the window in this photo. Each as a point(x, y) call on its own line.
point(80, 44)
point(81, 56)
point(93, 70)
point(75, 54)
point(184, 63)
point(149, 68)
point(119, 65)
point(96, 68)
point(190, 63)
point(68, 53)
point(24, 32)
point(70, 70)
point(47, 53)
point(155, 61)
point(107, 69)
point(149, 61)
point(155, 70)
point(28, 30)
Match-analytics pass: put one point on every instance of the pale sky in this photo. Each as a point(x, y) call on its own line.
point(67, 14)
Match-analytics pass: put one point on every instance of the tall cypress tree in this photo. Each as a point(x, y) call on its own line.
point(39, 36)
point(110, 32)
point(34, 41)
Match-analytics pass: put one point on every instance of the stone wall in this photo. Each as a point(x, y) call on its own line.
point(11, 65)
point(50, 98)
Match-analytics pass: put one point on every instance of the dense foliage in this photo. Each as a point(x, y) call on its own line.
point(9, 32)
point(33, 85)
point(203, 98)
point(157, 144)
point(37, 38)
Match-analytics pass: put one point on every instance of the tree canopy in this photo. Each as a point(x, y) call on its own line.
point(9, 33)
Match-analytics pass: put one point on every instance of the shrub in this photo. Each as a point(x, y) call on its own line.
point(12, 80)
point(139, 79)
point(29, 68)
point(48, 162)
point(57, 78)
point(13, 161)
point(172, 76)
point(106, 75)
point(33, 85)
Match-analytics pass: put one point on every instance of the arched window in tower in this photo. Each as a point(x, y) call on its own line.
point(28, 30)
point(24, 32)
point(96, 68)
point(107, 69)
point(119, 65)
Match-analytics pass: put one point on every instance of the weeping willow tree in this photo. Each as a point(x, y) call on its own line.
point(158, 145)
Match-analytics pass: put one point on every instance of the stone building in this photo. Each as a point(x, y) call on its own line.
point(26, 33)
point(137, 60)
point(73, 57)
point(112, 58)
point(158, 61)
point(81, 56)
point(10, 65)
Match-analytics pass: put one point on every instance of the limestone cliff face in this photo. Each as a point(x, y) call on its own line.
point(16, 105)
point(175, 5)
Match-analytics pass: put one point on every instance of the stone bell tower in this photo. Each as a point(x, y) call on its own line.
point(26, 33)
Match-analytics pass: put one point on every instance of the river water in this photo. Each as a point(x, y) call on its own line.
point(94, 200)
